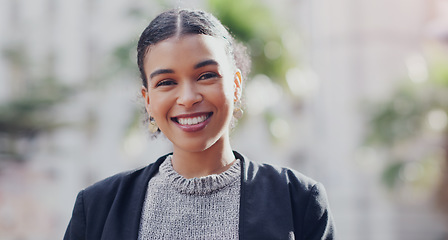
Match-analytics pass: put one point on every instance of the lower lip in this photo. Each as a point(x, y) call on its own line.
point(195, 127)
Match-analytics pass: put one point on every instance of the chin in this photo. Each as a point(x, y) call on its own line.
point(196, 147)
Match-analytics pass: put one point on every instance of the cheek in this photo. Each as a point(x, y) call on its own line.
point(157, 105)
point(222, 94)
point(223, 102)
point(227, 87)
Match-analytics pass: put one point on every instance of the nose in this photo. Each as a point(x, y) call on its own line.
point(189, 95)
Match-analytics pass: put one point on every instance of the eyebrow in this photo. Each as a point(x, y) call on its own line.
point(205, 63)
point(160, 71)
point(199, 65)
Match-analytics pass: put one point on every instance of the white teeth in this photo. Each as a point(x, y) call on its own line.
point(191, 121)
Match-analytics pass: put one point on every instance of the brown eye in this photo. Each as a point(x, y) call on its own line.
point(166, 82)
point(208, 76)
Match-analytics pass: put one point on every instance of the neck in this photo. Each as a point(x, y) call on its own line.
point(214, 160)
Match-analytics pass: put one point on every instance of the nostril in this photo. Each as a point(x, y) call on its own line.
point(189, 98)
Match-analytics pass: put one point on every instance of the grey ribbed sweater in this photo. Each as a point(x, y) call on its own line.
point(196, 208)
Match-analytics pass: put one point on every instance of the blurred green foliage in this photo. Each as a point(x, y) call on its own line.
point(438, 70)
point(410, 128)
point(28, 113)
point(404, 115)
point(253, 23)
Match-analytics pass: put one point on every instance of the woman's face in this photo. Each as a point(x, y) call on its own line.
point(192, 86)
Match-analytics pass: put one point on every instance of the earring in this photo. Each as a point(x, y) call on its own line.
point(153, 128)
point(237, 111)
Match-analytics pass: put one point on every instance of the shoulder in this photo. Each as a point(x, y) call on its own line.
point(272, 175)
point(298, 201)
point(117, 181)
point(269, 179)
point(122, 182)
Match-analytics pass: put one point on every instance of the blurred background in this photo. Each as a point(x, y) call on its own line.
point(353, 93)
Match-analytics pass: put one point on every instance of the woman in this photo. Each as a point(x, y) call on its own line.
point(190, 68)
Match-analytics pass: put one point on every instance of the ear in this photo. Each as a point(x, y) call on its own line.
point(145, 96)
point(237, 86)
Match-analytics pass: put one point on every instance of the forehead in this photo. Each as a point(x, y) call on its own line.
point(186, 49)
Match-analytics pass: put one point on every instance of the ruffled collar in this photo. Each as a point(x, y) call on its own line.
point(202, 185)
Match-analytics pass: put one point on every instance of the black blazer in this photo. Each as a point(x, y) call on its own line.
point(275, 203)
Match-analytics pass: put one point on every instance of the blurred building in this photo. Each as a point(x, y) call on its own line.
point(351, 51)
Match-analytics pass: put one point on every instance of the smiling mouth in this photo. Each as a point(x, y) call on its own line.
point(188, 121)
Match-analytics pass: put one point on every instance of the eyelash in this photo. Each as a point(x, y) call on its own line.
point(165, 83)
point(209, 74)
point(204, 76)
